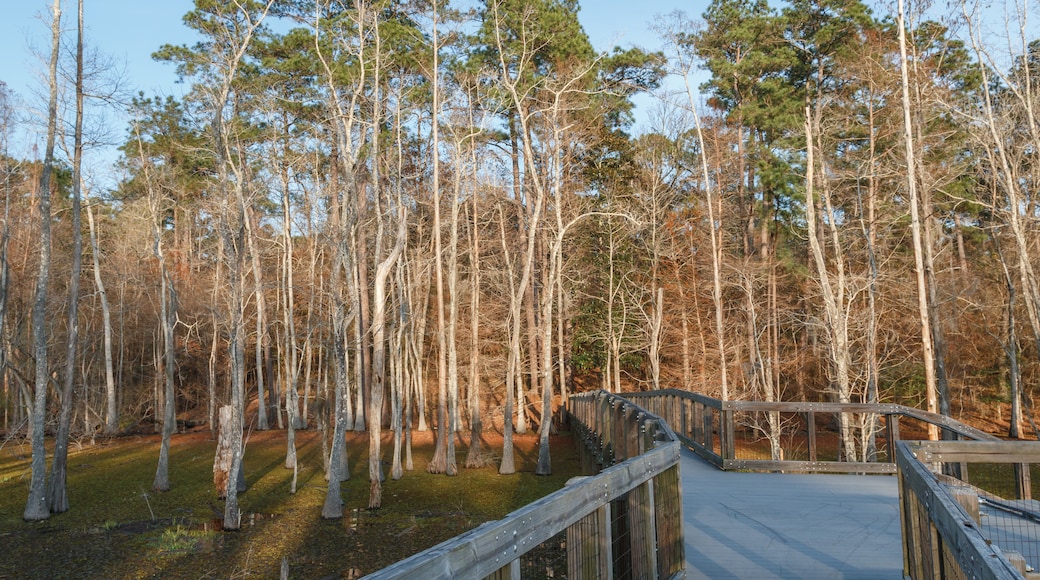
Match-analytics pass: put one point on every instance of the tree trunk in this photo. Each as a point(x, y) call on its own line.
point(234, 249)
point(11, 393)
point(211, 366)
point(168, 312)
point(867, 218)
point(224, 458)
point(399, 372)
point(833, 292)
point(714, 227)
point(476, 426)
point(57, 493)
point(440, 461)
point(1011, 352)
point(512, 328)
point(379, 302)
point(291, 351)
point(36, 505)
point(262, 338)
point(927, 345)
point(111, 410)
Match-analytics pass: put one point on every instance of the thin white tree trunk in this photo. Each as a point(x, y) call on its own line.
point(261, 322)
point(11, 393)
point(168, 315)
point(507, 466)
point(290, 353)
point(111, 410)
point(927, 347)
point(715, 229)
point(656, 328)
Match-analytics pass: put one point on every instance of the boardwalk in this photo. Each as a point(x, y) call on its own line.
point(766, 525)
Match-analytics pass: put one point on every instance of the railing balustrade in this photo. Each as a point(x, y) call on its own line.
point(625, 521)
point(957, 527)
point(714, 429)
point(955, 523)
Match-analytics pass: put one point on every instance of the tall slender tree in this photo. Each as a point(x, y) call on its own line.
point(58, 496)
point(36, 506)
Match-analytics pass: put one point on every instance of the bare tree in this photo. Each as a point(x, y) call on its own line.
point(1014, 119)
point(6, 122)
point(263, 338)
point(507, 465)
point(684, 66)
point(234, 214)
point(158, 204)
point(344, 105)
point(384, 269)
point(927, 344)
point(476, 425)
point(57, 495)
point(111, 409)
point(441, 461)
point(36, 505)
point(834, 293)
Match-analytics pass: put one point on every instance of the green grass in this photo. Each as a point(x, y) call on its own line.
point(118, 528)
point(999, 479)
point(183, 539)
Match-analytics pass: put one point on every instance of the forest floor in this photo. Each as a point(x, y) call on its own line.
point(118, 528)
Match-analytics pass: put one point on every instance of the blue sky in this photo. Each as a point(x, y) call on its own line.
point(128, 31)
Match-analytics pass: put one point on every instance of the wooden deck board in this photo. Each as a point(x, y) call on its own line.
point(772, 525)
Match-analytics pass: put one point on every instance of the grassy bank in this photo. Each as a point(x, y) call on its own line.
point(118, 528)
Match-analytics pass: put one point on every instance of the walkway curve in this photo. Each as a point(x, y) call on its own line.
point(776, 525)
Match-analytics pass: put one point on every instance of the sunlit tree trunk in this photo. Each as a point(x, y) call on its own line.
point(833, 292)
point(512, 328)
point(234, 228)
point(346, 196)
point(36, 505)
point(214, 345)
point(520, 290)
point(168, 317)
point(451, 467)
point(440, 462)
point(10, 392)
point(111, 409)
point(379, 301)
point(713, 205)
point(262, 338)
point(927, 345)
point(290, 351)
point(58, 497)
point(868, 219)
point(1010, 344)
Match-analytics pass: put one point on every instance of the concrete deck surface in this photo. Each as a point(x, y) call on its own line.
point(775, 525)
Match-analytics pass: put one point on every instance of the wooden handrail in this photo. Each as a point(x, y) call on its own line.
point(645, 476)
point(708, 426)
point(939, 534)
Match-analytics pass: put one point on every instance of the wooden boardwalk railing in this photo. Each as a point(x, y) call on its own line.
point(710, 427)
point(944, 535)
point(625, 521)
